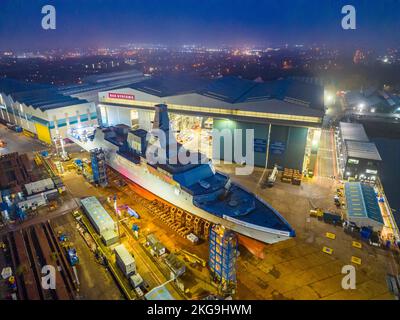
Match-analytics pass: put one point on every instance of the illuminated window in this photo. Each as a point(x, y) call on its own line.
point(353, 161)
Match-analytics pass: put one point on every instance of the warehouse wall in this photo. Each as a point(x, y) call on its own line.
point(287, 147)
point(31, 119)
point(260, 137)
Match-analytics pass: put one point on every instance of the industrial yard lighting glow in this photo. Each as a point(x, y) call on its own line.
point(315, 143)
point(361, 106)
point(329, 98)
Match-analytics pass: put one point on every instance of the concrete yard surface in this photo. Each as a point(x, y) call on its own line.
point(298, 269)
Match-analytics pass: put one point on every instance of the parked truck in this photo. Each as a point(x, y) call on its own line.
point(332, 218)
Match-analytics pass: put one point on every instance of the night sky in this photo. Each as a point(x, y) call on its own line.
point(87, 23)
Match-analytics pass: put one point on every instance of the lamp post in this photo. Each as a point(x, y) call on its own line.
point(118, 228)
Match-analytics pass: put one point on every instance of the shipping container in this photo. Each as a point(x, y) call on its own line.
point(125, 261)
point(139, 292)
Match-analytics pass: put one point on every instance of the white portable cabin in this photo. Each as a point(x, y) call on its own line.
point(136, 280)
point(125, 261)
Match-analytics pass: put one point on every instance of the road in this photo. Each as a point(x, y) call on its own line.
point(325, 157)
point(326, 163)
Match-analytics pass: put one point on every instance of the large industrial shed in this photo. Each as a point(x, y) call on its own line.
point(362, 205)
point(360, 158)
point(286, 115)
point(42, 110)
point(102, 222)
point(48, 111)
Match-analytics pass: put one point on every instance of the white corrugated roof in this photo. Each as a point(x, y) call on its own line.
point(98, 214)
point(362, 150)
point(353, 131)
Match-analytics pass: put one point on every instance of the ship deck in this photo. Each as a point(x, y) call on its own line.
point(245, 207)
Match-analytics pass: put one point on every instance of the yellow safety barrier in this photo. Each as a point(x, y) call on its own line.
point(330, 235)
point(327, 250)
point(357, 245)
point(355, 260)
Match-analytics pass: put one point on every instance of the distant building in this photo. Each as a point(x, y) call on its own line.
point(358, 57)
point(372, 102)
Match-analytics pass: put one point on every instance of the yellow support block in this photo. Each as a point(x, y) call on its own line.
point(330, 235)
point(356, 260)
point(327, 250)
point(357, 245)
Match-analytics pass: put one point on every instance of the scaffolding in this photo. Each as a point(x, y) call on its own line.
point(99, 167)
point(222, 260)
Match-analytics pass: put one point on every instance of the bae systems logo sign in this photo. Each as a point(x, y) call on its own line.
point(121, 96)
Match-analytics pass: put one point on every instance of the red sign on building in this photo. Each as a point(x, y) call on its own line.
point(121, 96)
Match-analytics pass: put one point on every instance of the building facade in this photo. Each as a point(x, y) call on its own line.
point(47, 111)
point(42, 111)
point(283, 115)
point(360, 158)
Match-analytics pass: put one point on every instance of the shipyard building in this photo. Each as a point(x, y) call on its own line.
point(47, 112)
point(286, 115)
point(359, 157)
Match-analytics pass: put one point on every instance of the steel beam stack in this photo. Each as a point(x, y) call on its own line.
point(222, 259)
